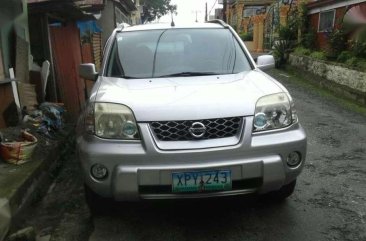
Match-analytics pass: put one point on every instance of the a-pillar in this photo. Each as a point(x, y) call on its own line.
point(258, 32)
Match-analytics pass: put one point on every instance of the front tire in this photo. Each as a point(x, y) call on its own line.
point(96, 203)
point(283, 193)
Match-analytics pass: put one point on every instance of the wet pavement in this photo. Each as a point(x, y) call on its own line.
point(329, 202)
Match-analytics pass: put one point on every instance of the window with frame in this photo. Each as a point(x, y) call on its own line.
point(252, 10)
point(326, 21)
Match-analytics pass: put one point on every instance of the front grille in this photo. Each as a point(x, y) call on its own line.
point(179, 130)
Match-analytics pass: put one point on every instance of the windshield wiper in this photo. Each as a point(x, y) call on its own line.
point(187, 74)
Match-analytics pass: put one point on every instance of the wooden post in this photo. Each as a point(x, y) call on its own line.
point(224, 11)
point(15, 93)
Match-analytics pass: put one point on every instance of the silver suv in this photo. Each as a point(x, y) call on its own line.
point(185, 112)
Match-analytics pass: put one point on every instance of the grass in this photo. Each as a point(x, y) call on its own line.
point(334, 97)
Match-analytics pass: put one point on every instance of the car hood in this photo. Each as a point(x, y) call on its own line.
point(188, 98)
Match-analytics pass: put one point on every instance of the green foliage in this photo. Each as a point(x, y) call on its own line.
point(287, 33)
point(344, 56)
point(337, 41)
point(359, 48)
point(302, 51)
point(309, 38)
point(302, 17)
point(362, 65)
point(318, 55)
point(356, 63)
point(281, 51)
point(246, 36)
point(352, 62)
point(155, 9)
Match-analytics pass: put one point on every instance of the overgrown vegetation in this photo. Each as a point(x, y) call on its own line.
point(302, 51)
point(287, 37)
point(340, 49)
point(282, 49)
point(246, 36)
point(337, 41)
point(320, 55)
point(308, 39)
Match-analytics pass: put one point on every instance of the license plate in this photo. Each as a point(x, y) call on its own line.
point(203, 181)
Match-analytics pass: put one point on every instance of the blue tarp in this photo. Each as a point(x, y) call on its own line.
point(88, 26)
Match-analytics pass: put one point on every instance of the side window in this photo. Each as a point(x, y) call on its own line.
point(326, 21)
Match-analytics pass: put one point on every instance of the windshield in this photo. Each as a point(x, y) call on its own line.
point(176, 52)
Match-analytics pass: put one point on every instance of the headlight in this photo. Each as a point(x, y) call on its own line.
point(112, 121)
point(273, 112)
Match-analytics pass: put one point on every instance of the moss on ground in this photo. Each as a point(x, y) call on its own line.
point(322, 91)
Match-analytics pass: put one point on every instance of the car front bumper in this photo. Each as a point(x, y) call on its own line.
point(140, 170)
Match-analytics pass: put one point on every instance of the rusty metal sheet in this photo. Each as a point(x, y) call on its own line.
point(67, 55)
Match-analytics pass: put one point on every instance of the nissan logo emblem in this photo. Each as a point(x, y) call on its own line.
point(197, 129)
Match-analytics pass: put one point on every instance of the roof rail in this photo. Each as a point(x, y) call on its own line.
point(121, 26)
point(218, 21)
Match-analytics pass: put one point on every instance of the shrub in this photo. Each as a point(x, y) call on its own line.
point(318, 55)
point(357, 63)
point(337, 41)
point(309, 39)
point(282, 48)
point(344, 56)
point(352, 62)
point(302, 51)
point(246, 36)
point(287, 33)
point(362, 65)
point(359, 48)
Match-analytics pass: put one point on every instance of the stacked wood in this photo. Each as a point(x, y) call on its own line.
point(28, 96)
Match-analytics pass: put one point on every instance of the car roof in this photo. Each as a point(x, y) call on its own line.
point(154, 26)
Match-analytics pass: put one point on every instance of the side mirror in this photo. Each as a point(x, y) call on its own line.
point(265, 62)
point(87, 71)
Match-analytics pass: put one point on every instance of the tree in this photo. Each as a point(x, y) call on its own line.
point(153, 9)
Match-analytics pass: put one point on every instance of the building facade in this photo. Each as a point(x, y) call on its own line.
point(327, 15)
point(116, 12)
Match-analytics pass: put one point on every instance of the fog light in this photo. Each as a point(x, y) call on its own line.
point(293, 159)
point(99, 171)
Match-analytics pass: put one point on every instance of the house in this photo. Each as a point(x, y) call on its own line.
point(116, 12)
point(239, 12)
point(327, 15)
point(55, 37)
point(13, 30)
